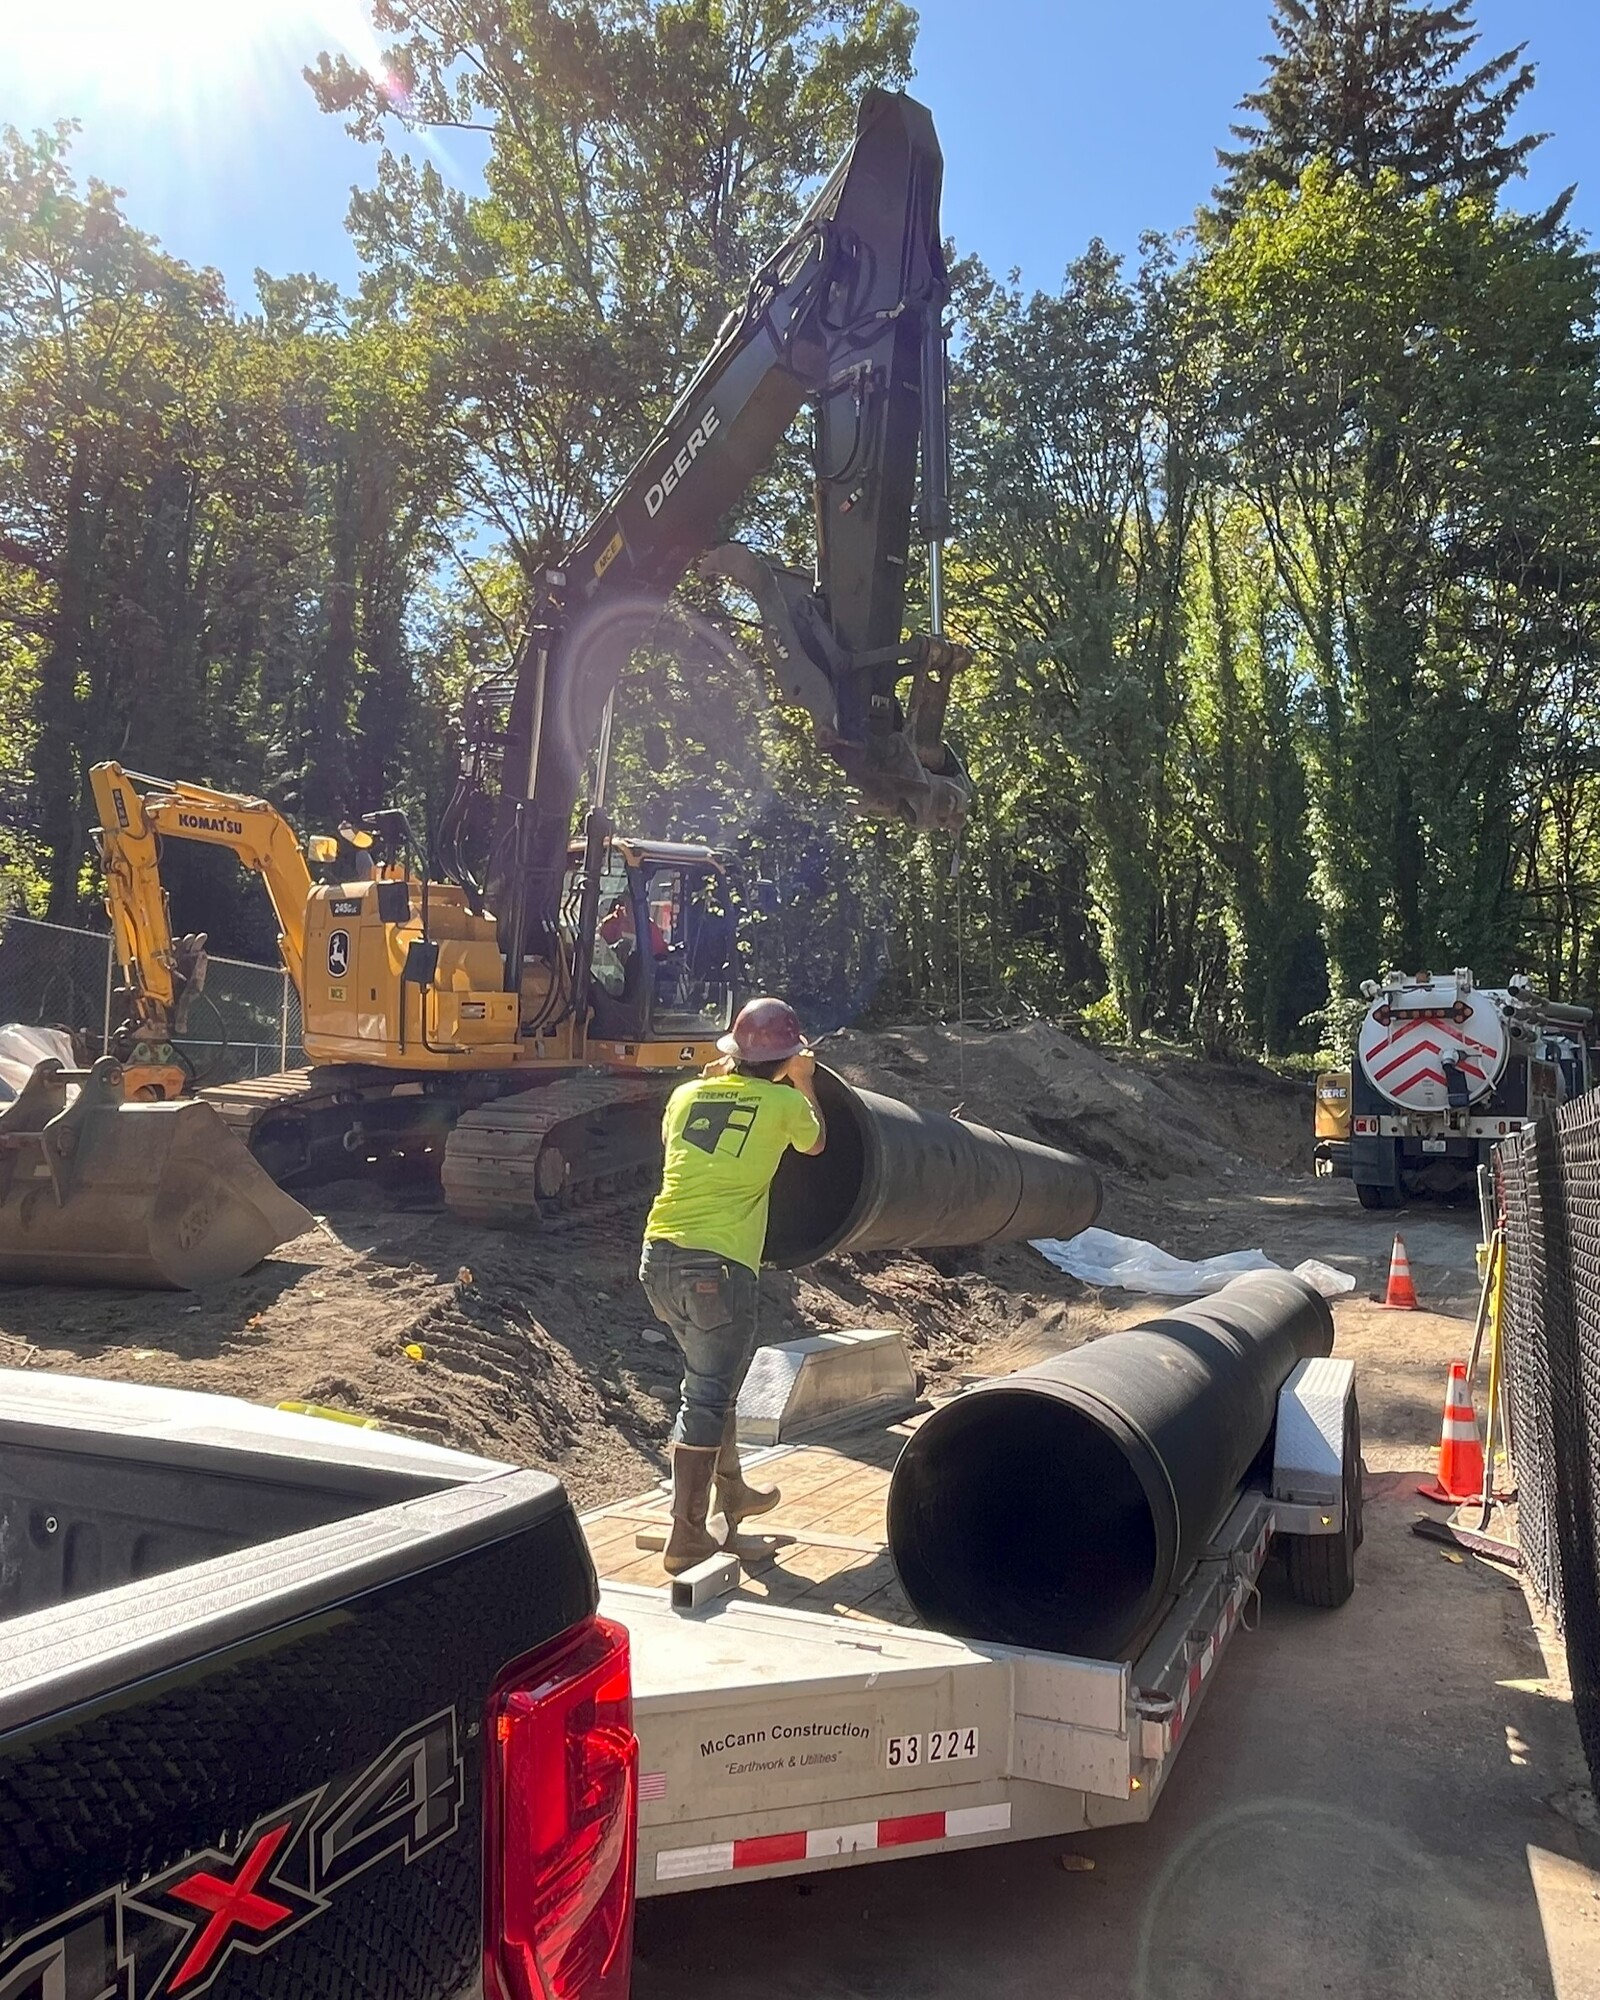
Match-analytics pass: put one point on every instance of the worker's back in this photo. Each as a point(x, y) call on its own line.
point(724, 1137)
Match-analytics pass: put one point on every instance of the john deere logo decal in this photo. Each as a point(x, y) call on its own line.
point(338, 954)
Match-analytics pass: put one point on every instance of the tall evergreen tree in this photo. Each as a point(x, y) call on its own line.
point(1381, 85)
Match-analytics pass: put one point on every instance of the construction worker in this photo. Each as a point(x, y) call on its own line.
point(617, 929)
point(725, 1135)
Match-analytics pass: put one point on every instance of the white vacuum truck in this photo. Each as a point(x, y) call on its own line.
point(1443, 1070)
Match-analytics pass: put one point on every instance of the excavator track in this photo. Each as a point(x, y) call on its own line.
point(242, 1106)
point(542, 1154)
point(551, 1154)
point(309, 1124)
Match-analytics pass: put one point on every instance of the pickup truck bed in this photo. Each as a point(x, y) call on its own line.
point(245, 1661)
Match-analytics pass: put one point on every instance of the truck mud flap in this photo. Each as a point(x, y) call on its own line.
point(97, 1191)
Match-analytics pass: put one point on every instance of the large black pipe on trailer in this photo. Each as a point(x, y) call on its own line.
point(1060, 1508)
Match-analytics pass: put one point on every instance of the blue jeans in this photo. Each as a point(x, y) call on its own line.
point(709, 1304)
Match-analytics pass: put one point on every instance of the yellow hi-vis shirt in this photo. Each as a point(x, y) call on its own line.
point(725, 1136)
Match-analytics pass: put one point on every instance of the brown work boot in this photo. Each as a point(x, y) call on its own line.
point(690, 1541)
point(736, 1501)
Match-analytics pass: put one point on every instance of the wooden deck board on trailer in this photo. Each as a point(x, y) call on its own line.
point(821, 1550)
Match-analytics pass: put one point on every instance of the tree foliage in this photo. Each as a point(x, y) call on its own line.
point(1378, 87)
point(1405, 385)
point(642, 160)
point(1082, 420)
point(1278, 546)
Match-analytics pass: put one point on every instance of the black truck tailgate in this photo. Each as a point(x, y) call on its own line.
point(262, 1774)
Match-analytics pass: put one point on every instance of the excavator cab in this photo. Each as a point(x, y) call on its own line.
point(663, 965)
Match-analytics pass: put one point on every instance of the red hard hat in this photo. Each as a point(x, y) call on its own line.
point(767, 1030)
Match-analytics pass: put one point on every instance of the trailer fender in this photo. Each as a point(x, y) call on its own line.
point(1308, 1452)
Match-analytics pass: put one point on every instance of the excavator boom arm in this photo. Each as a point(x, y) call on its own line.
point(136, 814)
point(849, 316)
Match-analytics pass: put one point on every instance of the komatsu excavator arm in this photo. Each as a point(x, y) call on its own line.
point(136, 812)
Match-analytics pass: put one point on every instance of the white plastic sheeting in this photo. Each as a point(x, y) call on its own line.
point(1107, 1261)
point(1332, 1284)
point(21, 1048)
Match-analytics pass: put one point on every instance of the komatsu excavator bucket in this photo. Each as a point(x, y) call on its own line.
point(97, 1191)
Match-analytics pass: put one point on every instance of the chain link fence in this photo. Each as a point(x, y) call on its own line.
point(1550, 1188)
point(245, 1023)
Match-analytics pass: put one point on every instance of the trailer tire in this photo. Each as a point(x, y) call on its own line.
point(1322, 1568)
point(1378, 1197)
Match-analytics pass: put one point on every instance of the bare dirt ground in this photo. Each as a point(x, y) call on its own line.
point(1381, 1802)
point(531, 1347)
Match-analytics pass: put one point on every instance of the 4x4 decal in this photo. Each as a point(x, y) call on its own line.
point(221, 1903)
point(171, 1935)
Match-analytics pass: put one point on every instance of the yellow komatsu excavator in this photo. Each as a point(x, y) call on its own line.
point(515, 1000)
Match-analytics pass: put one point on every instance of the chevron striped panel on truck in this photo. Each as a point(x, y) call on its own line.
point(1408, 1040)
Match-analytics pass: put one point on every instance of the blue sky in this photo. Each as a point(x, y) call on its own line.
point(1061, 119)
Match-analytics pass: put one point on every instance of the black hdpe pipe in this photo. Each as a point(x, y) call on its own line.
point(894, 1178)
point(1060, 1508)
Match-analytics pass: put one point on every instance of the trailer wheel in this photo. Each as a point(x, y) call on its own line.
point(1378, 1197)
point(1322, 1568)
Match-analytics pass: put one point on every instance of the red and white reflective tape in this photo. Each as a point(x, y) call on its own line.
point(819, 1843)
point(1232, 1611)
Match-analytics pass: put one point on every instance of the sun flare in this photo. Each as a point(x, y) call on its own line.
point(166, 54)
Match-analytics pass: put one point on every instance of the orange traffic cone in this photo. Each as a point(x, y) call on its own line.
point(1460, 1447)
point(1402, 1294)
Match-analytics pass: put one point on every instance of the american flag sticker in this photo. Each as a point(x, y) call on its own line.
point(652, 1787)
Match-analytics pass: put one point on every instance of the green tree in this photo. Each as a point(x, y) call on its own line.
point(1408, 386)
point(1242, 756)
point(1081, 420)
point(377, 472)
point(1381, 87)
point(644, 157)
point(212, 529)
point(105, 398)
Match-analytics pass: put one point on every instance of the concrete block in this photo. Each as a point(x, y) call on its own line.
point(805, 1385)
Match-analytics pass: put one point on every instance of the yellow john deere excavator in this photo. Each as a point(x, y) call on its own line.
point(511, 1000)
point(404, 1011)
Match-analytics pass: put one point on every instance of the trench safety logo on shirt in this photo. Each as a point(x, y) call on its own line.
point(721, 1125)
point(338, 954)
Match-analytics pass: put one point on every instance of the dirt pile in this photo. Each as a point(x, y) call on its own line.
point(1148, 1117)
point(540, 1348)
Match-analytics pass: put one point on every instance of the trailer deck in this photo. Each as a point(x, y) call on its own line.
point(805, 1720)
point(823, 1550)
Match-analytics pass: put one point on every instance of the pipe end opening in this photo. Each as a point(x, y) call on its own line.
point(814, 1199)
point(1018, 1519)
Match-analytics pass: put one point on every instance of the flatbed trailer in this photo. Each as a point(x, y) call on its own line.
point(806, 1721)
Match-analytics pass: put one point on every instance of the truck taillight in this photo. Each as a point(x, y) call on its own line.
point(561, 1774)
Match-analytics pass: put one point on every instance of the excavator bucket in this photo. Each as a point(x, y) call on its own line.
point(98, 1191)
